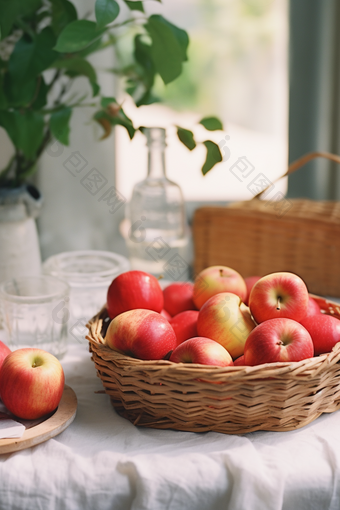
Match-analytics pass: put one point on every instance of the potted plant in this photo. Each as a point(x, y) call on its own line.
point(44, 47)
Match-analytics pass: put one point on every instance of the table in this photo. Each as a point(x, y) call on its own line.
point(103, 462)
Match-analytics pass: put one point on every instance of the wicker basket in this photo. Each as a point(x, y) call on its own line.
point(232, 400)
point(258, 237)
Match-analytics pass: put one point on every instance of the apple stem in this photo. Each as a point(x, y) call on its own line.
point(221, 272)
point(278, 305)
point(160, 277)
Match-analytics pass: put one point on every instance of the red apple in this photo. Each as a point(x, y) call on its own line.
point(178, 297)
point(142, 334)
point(227, 320)
point(324, 330)
point(202, 350)
point(31, 383)
point(278, 340)
point(279, 295)
point(239, 362)
point(313, 308)
point(185, 325)
point(165, 314)
point(250, 282)
point(216, 279)
point(134, 289)
point(4, 351)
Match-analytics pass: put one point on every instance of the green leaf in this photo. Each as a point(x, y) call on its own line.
point(186, 137)
point(10, 10)
point(123, 120)
point(106, 12)
point(213, 157)
point(211, 123)
point(118, 120)
point(95, 46)
point(135, 6)
point(142, 54)
point(41, 94)
point(26, 130)
point(147, 98)
point(79, 67)
point(106, 101)
point(168, 48)
point(19, 96)
point(180, 35)
point(8, 122)
point(77, 36)
point(63, 13)
point(30, 127)
point(59, 125)
point(3, 98)
point(76, 67)
point(29, 58)
point(95, 88)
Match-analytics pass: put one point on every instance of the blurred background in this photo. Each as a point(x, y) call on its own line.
point(269, 69)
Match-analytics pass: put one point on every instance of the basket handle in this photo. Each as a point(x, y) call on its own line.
point(298, 163)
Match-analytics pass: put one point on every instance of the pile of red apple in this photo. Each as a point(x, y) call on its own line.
point(31, 382)
point(221, 319)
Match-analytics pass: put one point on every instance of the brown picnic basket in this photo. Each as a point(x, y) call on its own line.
point(257, 237)
point(254, 239)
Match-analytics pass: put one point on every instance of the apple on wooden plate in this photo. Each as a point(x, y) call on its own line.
point(4, 352)
point(31, 383)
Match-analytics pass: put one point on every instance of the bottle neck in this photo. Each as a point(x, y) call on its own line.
point(156, 162)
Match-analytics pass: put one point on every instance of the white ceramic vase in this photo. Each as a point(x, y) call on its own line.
point(19, 244)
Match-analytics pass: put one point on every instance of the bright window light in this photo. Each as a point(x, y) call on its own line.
point(238, 71)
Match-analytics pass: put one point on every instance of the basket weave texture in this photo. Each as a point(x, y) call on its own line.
point(232, 400)
point(256, 239)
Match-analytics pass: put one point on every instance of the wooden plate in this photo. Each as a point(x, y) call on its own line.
point(51, 427)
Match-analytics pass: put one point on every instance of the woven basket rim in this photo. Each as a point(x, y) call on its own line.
point(304, 369)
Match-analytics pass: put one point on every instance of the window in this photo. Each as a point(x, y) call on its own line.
point(238, 71)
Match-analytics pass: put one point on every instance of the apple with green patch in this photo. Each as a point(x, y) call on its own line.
point(216, 279)
point(227, 320)
point(203, 351)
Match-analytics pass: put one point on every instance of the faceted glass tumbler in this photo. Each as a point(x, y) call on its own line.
point(89, 274)
point(35, 313)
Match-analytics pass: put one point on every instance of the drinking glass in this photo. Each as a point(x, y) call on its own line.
point(35, 313)
point(89, 274)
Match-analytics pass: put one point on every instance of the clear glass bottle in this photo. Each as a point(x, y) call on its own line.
point(158, 240)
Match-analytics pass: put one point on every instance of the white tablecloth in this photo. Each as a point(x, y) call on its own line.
point(102, 462)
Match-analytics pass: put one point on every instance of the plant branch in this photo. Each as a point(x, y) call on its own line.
point(25, 27)
point(55, 78)
point(126, 22)
point(22, 171)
